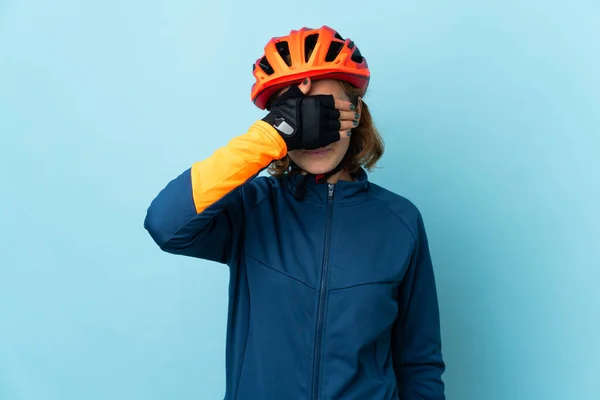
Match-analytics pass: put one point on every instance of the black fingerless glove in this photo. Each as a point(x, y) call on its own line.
point(305, 122)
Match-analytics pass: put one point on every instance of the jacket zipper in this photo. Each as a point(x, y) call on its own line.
point(322, 296)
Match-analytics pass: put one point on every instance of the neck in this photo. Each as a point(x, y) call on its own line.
point(343, 175)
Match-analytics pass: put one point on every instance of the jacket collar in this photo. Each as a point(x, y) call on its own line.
point(344, 191)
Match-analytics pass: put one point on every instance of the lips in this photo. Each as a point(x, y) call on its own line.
point(317, 151)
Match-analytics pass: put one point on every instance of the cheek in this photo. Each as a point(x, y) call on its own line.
point(296, 156)
point(342, 144)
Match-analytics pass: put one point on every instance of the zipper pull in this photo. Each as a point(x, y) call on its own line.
point(330, 193)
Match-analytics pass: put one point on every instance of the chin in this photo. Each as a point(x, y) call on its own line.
point(316, 162)
point(318, 169)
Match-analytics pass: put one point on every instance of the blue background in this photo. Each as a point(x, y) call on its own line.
point(490, 112)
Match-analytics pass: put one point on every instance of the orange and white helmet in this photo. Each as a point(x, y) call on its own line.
point(307, 53)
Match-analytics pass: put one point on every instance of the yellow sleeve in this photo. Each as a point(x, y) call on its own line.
point(232, 165)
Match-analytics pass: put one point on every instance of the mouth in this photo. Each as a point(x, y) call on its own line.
point(317, 152)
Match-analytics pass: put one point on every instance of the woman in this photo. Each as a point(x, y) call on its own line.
point(332, 292)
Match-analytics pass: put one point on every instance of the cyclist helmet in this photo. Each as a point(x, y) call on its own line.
point(313, 53)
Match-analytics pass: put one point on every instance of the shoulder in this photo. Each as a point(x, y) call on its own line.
point(403, 208)
point(259, 189)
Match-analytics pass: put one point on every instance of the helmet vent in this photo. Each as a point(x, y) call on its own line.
point(266, 66)
point(356, 56)
point(309, 45)
point(283, 48)
point(338, 36)
point(334, 50)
